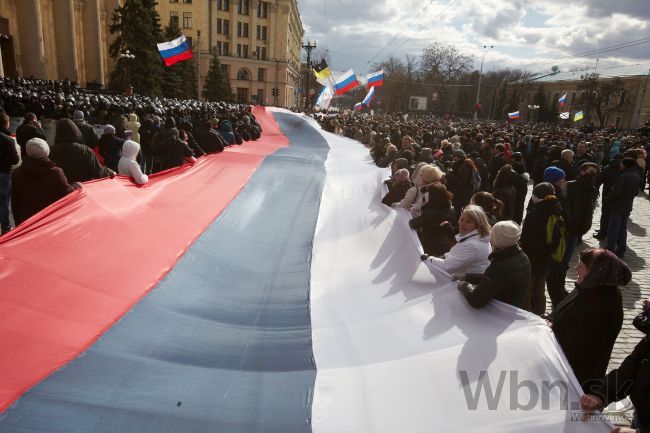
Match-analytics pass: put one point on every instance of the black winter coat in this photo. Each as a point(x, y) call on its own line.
point(436, 239)
point(581, 198)
point(631, 379)
point(209, 140)
point(586, 324)
point(78, 161)
point(506, 279)
point(625, 189)
point(533, 235)
point(36, 184)
point(8, 154)
point(110, 147)
point(27, 131)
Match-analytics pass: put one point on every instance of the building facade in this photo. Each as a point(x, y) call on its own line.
point(56, 39)
point(258, 44)
point(626, 108)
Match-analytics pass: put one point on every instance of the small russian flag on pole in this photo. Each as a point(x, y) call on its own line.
point(514, 115)
point(175, 51)
point(346, 82)
point(369, 97)
point(563, 100)
point(375, 79)
point(358, 106)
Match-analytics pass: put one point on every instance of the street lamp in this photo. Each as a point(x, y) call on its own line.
point(128, 56)
point(309, 47)
point(480, 77)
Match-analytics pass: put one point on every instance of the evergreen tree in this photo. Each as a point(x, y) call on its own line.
point(217, 84)
point(179, 80)
point(137, 25)
point(554, 111)
point(541, 100)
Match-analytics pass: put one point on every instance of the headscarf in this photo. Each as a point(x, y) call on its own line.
point(605, 270)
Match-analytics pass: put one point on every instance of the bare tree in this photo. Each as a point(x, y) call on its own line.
point(596, 94)
point(444, 62)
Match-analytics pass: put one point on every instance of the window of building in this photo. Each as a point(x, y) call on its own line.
point(173, 1)
point(244, 51)
point(187, 20)
point(223, 5)
point(261, 74)
point(262, 9)
point(245, 30)
point(218, 25)
point(225, 69)
point(226, 49)
point(621, 99)
point(263, 33)
point(263, 54)
point(238, 50)
point(174, 19)
point(226, 27)
point(258, 32)
point(260, 96)
point(218, 48)
point(238, 28)
point(242, 7)
point(189, 41)
point(243, 75)
point(187, 1)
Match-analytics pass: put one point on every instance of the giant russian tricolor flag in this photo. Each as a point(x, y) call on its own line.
point(346, 82)
point(175, 51)
point(263, 289)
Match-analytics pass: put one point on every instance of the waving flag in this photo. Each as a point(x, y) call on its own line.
point(565, 115)
point(175, 51)
point(578, 116)
point(514, 115)
point(376, 79)
point(358, 106)
point(563, 99)
point(293, 303)
point(345, 82)
point(321, 70)
point(325, 97)
point(369, 97)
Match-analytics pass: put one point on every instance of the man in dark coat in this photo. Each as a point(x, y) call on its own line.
point(38, 182)
point(27, 130)
point(88, 135)
point(581, 198)
point(77, 160)
point(619, 201)
point(508, 276)
point(535, 243)
point(606, 178)
point(8, 157)
point(209, 139)
point(110, 147)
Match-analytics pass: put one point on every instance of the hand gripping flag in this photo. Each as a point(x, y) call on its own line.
point(375, 79)
point(345, 82)
point(514, 115)
point(562, 100)
point(578, 116)
point(175, 51)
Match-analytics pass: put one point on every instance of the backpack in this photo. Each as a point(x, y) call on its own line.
point(556, 237)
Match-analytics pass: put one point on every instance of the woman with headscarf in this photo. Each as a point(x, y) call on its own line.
point(587, 322)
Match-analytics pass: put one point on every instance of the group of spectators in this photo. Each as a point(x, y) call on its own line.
point(465, 185)
point(35, 173)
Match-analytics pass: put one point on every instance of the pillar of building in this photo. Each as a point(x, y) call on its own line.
point(30, 31)
point(66, 43)
point(93, 51)
point(2, 69)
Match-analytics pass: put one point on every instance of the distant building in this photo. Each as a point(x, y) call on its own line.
point(629, 108)
point(56, 39)
point(258, 44)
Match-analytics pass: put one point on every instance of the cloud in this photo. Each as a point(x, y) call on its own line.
point(524, 32)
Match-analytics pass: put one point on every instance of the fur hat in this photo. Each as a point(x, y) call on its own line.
point(37, 148)
point(505, 234)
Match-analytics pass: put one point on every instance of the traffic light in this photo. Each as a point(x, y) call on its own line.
point(275, 91)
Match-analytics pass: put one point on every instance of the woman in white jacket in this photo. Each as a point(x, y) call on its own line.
point(128, 165)
point(470, 254)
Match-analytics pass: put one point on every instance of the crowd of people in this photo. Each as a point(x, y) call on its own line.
point(139, 136)
point(465, 185)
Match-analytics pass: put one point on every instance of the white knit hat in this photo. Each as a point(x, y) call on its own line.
point(37, 148)
point(505, 234)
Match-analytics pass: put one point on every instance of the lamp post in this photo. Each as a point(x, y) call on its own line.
point(480, 77)
point(127, 56)
point(309, 47)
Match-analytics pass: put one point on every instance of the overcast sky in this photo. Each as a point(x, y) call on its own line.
point(524, 32)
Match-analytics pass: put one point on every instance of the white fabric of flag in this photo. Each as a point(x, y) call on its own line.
point(325, 98)
point(565, 115)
